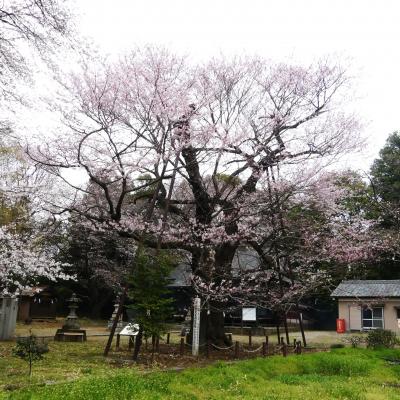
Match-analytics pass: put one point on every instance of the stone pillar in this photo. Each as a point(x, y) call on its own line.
point(8, 317)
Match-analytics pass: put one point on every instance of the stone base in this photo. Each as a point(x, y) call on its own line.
point(71, 335)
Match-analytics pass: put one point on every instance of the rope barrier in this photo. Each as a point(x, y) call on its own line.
point(252, 351)
point(222, 348)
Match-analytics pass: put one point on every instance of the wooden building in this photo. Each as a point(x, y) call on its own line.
point(37, 303)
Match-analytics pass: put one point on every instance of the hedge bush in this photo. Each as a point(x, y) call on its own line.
point(381, 338)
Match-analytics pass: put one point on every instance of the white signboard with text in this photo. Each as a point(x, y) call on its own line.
point(130, 330)
point(249, 314)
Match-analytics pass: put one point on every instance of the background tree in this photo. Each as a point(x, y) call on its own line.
point(385, 170)
point(25, 258)
point(148, 292)
point(39, 25)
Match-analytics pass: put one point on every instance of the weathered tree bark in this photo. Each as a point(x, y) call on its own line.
point(212, 327)
point(212, 319)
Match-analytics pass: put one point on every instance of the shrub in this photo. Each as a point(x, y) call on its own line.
point(337, 346)
point(381, 338)
point(29, 349)
point(334, 364)
point(354, 340)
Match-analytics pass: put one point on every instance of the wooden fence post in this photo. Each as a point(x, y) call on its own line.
point(158, 344)
point(182, 346)
point(168, 337)
point(153, 342)
point(284, 349)
point(266, 340)
point(281, 340)
point(118, 340)
point(264, 349)
point(208, 349)
point(236, 349)
point(250, 338)
point(298, 347)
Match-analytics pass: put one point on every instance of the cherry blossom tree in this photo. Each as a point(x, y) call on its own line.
point(39, 25)
point(24, 256)
point(23, 262)
point(208, 138)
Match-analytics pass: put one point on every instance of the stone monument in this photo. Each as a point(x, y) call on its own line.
point(71, 330)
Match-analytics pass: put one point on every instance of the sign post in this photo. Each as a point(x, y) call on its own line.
point(196, 326)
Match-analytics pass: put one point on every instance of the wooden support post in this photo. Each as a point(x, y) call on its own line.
point(236, 349)
point(153, 342)
point(158, 344)
point(182, 346)
point(281, 340)
point(118, 340)
point(168, 337)
point(208, 349)
point(284, 349)
point(302, 327)
point(250, 338)
point(264, 349)
point(286, 329)
point(298, 347)
point(266, 340)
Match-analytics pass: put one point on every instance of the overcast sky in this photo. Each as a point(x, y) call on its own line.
point(363, 33)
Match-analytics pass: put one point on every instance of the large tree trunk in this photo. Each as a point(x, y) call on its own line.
point(212, 327)
point(212, 319)
point(216, 326)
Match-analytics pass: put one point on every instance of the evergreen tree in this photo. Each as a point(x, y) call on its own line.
point(385, 171)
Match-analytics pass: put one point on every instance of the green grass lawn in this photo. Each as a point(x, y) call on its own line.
point(339, 374)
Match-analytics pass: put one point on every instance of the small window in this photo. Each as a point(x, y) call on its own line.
point(377, 323)
point(377, 312)
point(372, 317)
point(367, 313)
point(367, 323)
point(398, 313)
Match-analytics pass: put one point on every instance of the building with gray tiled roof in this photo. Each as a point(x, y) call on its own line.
point(369, 304)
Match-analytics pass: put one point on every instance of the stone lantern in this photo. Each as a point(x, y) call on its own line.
point(71, 322)
point(71, 332)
